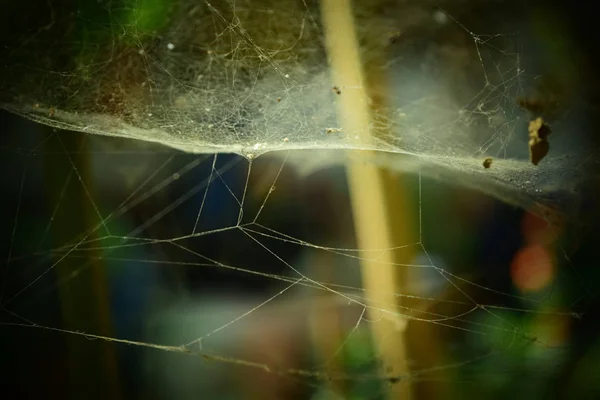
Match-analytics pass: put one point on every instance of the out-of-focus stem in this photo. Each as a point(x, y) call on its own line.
point(370, 192)
point(85, 305)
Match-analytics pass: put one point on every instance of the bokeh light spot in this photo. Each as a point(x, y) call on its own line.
point(532, 268)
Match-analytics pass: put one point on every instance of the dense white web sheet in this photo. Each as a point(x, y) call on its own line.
point(251, 79)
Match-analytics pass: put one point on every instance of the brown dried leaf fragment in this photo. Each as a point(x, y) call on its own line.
point(538, 140)
point(538, 128)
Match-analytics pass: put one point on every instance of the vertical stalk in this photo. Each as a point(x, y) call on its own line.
point(372, 194)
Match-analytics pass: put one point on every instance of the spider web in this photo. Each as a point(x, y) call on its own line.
point(252, 79)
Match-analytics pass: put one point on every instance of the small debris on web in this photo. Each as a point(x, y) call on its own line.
point(538, 140)
point(395, 36)
point(333, 130)
point(337, 90)
point(487, 162)
point(279, 99)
